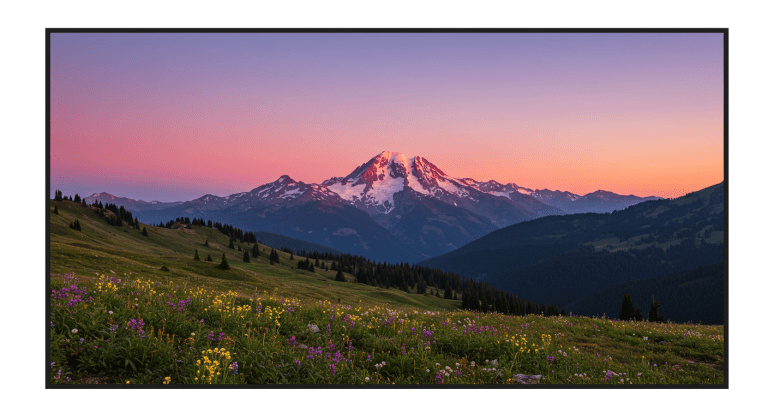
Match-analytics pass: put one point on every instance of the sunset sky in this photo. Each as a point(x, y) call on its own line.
point(175, 116)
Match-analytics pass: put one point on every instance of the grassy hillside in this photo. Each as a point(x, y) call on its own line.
point(123, 252)
point(109, 331)
point(121, 320)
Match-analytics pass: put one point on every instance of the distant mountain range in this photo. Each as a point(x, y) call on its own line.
point(562, 260)
point(391, 208)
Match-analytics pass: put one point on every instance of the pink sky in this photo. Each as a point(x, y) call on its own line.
point(175, 116)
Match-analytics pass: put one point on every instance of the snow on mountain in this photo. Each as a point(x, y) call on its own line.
point(495, 188)
point(374, 183)
point(372, 186)
point(546, 194)
point(286, 191)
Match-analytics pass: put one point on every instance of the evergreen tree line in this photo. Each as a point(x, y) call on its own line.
point(413, 278)
point(481, 296)
point(694, 295)
point(310, 266)
point(629, 311)
point(234, 233)
point(571, 276)
point(409, 278)
point(58, 196)
point(118, 216)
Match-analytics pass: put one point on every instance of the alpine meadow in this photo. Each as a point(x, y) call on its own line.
point(427, 209)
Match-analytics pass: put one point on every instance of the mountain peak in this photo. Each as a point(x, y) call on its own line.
point(285, 179)
point(102, 194)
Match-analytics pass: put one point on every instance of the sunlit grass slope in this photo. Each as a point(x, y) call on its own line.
point(124, 252)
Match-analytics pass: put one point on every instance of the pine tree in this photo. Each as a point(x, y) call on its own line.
point(340, 277)
point(246, 257)
point(311, 268)
point(627, 308)
point(209, 258)
point(224, 264)
point(56, 210)
point(77, 199)
point(291, 255)
point(144, 231)
point(231, 243)
point(255, 251)
point(361, 277)
point(197, 257)
point(206, 244)
point(448, 295)
point(653, 313)
point(638, 314)
point(273, 257)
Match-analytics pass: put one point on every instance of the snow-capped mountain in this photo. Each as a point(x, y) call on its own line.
point(309, 212)
point(372, 188)
point(495, 188)
point(286, 191)
point(391, 208)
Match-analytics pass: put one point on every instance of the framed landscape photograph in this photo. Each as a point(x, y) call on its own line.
point(368, 208)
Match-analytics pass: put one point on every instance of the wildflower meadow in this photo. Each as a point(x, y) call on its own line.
point(129, 331)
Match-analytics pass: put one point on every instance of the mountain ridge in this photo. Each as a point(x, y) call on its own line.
point(560, 259)
point(423, 211)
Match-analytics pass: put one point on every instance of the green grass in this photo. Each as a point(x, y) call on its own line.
point(123, 252)
point(105, 331)
point(136, 330)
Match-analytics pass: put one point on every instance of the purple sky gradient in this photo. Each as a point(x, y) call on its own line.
point(175, 116)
